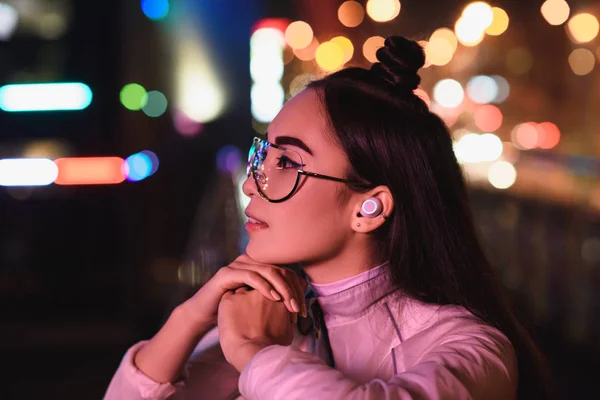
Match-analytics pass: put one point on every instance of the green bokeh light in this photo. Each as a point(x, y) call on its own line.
point(134, 97)
point(156, 104)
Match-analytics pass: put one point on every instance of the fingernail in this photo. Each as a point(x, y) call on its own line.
point(304, 313)
point(295, 305)
point(275, 295)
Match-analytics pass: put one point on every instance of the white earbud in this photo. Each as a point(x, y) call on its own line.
point(371, 207)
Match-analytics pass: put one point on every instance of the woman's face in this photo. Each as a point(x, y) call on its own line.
point(311, 226)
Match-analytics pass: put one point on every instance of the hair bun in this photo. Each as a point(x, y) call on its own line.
point(399, 61)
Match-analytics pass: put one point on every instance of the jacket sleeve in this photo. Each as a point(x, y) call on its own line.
point(207, 375)
point(479, 364)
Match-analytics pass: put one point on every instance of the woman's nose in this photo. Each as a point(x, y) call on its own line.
point(249, 187)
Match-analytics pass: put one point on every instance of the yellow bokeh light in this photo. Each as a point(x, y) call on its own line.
point(479, 15)
point(499, 24)
point(351, 14)
point(308, 53)
point(439, 51)
point(583, 28)
point(467, 33)
point(446, 34)
point(370, 47)
point(329, 56)
point(298, 35)
point(555, 12)
point(519, 60)
point(383, 10)
point(346, 46)
point(581, 61)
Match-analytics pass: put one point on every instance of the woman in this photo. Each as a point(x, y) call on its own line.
point(357, 182)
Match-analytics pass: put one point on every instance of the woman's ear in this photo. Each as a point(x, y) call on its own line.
point(380, 202)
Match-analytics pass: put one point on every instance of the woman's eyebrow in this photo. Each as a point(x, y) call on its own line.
point(282, 140)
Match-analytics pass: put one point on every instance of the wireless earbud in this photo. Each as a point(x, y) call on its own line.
point(371, 207)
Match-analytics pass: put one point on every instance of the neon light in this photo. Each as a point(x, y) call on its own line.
point(27, 172)
point(90, 171)
point(45, 97)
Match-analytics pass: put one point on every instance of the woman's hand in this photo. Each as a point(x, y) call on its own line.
point(274, 283)
point(248, 322)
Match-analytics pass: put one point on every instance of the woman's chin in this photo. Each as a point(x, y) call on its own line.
point(268, 256)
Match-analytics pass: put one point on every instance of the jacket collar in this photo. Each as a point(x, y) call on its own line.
point(352, 303)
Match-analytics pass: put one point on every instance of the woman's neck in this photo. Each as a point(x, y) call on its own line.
point(345, 265)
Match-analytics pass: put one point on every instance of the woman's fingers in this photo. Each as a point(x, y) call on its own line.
point(235, 278)
point(294, 281)
point(282, 281)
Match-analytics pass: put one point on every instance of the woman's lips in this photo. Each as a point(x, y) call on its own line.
point(255, 225)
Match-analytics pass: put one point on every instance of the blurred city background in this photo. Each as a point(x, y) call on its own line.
point(124, 129)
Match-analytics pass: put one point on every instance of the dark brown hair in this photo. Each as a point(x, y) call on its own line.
point(391, 138)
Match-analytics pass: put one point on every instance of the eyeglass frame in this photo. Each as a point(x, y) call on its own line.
point(299, 172)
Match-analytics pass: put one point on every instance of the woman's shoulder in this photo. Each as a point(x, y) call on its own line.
point(433, 322)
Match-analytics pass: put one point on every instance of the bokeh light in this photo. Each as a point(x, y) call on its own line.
point(60, 96)
point(155, 9)
point(153, 159)
point(555, 12)
point(583, 28)
point(383, 10)
point(346, 46)
point(186, 126)
point(448, 93)
point(482, 89)
point(298, 35)
point(503, 88)
point(519, 60)
point(548, 135)
point(329, 56)
point(467, 33)
point(582, 61)
point(156, 104)
point(446, 34)
point(351, 14)
point(133, 96)
point(229, 159)
point(479, 15)
point(371, 46)
point(438, 51)
point(300, 82)
point(9, 18)
point(488, 118)
point(502, 175)
point(266, 67)
point(499, 23)
point(137, 167)
point(473, 148)
point(308, 53)
point(90, 170)
point(266, 100)
point(27, 172)
point(525, 136)
point(47, 148)
point(52, 25)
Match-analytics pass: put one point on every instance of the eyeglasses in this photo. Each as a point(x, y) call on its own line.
point(276, 170)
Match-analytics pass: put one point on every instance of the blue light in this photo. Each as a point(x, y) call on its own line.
point(138, 167)
point(153, 158)
point(45, 97)
point(155, 9)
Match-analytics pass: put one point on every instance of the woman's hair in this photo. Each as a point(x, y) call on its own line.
point(391, 138)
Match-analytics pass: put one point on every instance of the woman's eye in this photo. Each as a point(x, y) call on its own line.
point(284, 162)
